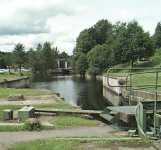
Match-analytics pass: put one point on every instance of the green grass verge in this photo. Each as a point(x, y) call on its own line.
point(58, 104)
point(13, 75)
point(57, 144)
point(5, 92)
point(59, 121)
point(140, 78)
point(72, 121)
point(11, 128)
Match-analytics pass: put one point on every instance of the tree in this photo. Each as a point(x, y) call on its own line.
point(85, 41)
point(107, 44)
point(100, 58)
point(9, 60)
point(49, 57)
point(19, 53)
point(43, 60)
point(119, 31)
point(135, 43)
point(63, 55)
point(82, 64)
point(2, 60)
point(157, 36)
point(102, 31)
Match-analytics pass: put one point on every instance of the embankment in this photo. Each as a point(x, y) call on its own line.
point(118, 94)
point(23, 82)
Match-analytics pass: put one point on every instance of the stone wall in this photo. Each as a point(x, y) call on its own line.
point(16, 83)
point(112, 90)
point(116, 93)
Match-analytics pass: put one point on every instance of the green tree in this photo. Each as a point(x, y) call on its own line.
point(43, 60)
point(157, 36)
point(85, 41)
point(2, 60)
point(19, 54)
point(135, 43)
point(63, 55)
point(9, 60)
point(119, 30)
point(82, 64)
point(102, 31)
point(49, 57)
point(100, 58)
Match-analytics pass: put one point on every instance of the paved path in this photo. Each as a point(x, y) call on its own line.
point(14, 137)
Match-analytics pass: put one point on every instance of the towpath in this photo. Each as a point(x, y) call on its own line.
point(22, 136)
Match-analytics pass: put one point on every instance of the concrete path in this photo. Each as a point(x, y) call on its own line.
point(14, 137)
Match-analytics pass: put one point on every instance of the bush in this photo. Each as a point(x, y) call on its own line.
point(33, 124)
point(157, 56)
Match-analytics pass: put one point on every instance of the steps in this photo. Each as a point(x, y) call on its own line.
point(107, 117)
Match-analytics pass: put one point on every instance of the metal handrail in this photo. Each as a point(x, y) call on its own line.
point(131, 74)
point(132, 88)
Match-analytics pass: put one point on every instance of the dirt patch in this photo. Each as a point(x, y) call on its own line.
point(32, 100)
point(24, 136)
point(3, 147)
point(115, 146)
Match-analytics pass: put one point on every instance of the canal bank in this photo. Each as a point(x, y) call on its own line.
point(21, 82)
point(118, 92)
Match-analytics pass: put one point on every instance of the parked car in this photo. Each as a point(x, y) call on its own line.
point(3, 70)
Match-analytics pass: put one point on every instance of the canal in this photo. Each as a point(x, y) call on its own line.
point(88, 94)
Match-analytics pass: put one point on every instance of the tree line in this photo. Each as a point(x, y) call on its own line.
point(97, 48)
point(105, 44)
point(42, 60)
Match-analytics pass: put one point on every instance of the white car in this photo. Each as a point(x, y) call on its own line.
point(3, 70)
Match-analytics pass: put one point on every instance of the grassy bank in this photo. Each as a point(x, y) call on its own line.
point(53, 144)
point(71, 121)
point(144, 78)
point(13, 75)
point(60, 121)
point(5, 92)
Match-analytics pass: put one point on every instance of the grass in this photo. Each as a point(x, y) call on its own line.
point(57, 144)
point(11, 128)
point(47, 145)
point(139, 80)
point(59, 104)
point(13, 75)
point(72, 121)
point(58, 121)
point(5, 92)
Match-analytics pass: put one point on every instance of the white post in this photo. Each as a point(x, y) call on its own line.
point(58, 64)
point(66, 64)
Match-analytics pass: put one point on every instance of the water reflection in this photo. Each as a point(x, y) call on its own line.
point(78, 92)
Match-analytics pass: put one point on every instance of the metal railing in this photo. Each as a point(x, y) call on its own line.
point(128, 76)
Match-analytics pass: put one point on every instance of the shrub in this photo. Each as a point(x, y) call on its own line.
point(33, 124)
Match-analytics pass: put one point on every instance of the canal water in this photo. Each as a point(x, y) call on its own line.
point(88, 94)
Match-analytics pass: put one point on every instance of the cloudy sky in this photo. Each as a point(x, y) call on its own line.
point(60, 21)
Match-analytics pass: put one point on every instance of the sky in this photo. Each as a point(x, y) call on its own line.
point(60, 21)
